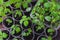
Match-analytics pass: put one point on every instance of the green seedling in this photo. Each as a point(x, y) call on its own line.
point(9, 21)
point(25, 20)
point(1, 19)
point(43, 38)
point(3, 35)
point(19, 13)
point(27, 33)
point(51, 31)
point(15, 28)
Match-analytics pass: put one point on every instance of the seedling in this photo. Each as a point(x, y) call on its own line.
point(43, 38)
point(1, 19)
point(15, 39)
point(51, 31)
point(3, 35)
point(15, 29)
point(18, 14)
point(25, 3)
point(25, 20)
point(39, 27)
point(27, 32)
point(48, 18)
point(9, 21)
point(49, 38)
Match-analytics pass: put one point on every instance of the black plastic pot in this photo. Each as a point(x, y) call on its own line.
point(42, 36)
point(48, 34)
point(29, 25)
point(39, 32)
point(7, 32)
point(29, 37)
point(16, 38)
point(5, 23)
point(35, 36)
point(16, 35)
point(12, 38)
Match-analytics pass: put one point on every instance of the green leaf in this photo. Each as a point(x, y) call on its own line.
point(25, 5)
point(9, 20)
point(28, 1)
point(26, 23)
point(1, 19)
point(13, 32)
point(28, 9)
point(43, 38)
point(58, 6)
point(47, 5)
point(18, 29)
point(50, 31)
point(13, 26)
point(24, 17)
point(48, 18)
point(1, 33)
point(1, 1)
point(1, 38)
point(49, 38)
point(24, 34)
point(15, 39)
point(21, 21)
point(5, 35)
point(41, 17)
point(1, 9)
point(41, 1)
point(17, 5)
point(18, 12)
point(7, 4)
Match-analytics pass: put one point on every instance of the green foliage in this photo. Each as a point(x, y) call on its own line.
point(49, 38)
point(48, 18)
point(40, 26)
point(26, 23)
point(47, 5)
point(51, 31)
point(19, 13)
point(15, 39)
point(3, 35)
point(43, 38)
point(1, 2)
point(9, 21)
point(15, 28)
point(25, 5)
point(1, 19)
point(25, 20)
point(27, 33)
point(28, 9)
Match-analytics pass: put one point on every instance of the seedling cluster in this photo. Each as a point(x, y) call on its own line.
point(29, 19)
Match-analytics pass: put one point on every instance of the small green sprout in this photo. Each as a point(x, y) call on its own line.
point(3, 35)
point(1, 19)
point(15, 28)
point(27, 33)
point(9, 21)
point(43, 38)
point(25, 20)
point(51, 31)
point(19, 13)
